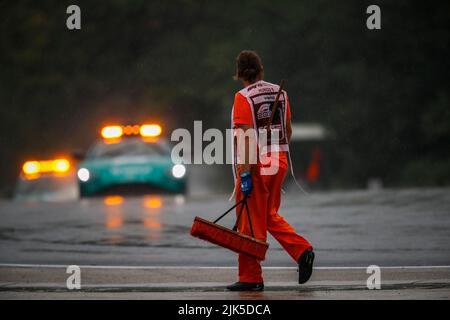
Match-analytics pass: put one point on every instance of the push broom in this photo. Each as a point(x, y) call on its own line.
point(232, 239)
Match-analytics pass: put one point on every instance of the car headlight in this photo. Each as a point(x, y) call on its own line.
point(83, 174)
point(178, 171)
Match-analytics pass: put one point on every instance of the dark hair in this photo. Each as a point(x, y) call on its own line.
point(248, 66)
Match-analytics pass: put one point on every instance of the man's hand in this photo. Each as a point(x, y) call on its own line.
point(246, 183)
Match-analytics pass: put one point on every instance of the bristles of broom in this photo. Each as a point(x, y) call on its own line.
point(229, 239)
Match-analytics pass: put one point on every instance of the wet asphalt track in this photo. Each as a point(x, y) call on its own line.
point(180, 283)
point(348, 230)
point(358, 228)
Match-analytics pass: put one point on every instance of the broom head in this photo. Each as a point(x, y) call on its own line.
point(229, 239)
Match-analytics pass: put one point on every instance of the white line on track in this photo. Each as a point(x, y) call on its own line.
point(17, 265)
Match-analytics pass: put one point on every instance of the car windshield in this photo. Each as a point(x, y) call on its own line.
point(129, 147)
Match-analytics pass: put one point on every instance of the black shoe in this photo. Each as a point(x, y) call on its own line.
point(305, 266)
point(246, 286)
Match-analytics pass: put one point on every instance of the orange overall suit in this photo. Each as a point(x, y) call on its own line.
point(250, 108)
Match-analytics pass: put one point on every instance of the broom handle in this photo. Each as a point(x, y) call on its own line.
point(248, 215)
point(240, 213)
point(244, 203)
point(226, 212)
point(275, 103)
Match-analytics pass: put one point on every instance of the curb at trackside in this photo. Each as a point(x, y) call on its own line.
point(19, 265)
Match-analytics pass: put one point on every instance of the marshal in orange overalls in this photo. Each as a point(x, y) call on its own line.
point(265, 197)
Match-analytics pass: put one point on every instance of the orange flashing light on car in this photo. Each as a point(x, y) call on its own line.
point(34, 168)
point(150, 130)
point(60, 165)
point(114, 133)
point(131, 130)
point(31, 167)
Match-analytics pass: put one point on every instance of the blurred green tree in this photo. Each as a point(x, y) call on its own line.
point(384, 93)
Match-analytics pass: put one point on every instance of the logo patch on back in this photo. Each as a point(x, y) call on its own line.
point(264, 111)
